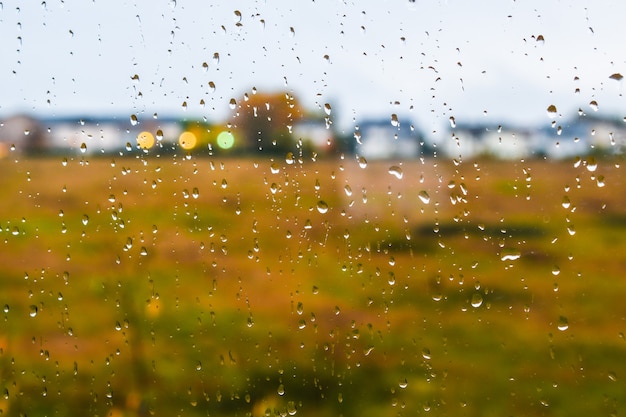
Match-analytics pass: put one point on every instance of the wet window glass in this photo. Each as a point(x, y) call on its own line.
point(318, 208)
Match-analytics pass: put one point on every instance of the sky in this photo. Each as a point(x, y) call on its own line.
point(493, 61)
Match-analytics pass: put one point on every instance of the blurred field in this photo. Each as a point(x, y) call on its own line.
point(199, 286)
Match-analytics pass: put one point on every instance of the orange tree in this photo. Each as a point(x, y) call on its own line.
point(263, 121)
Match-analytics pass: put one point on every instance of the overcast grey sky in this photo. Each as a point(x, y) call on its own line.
point(424, 59)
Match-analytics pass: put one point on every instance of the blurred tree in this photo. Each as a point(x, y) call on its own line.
point(263, 121)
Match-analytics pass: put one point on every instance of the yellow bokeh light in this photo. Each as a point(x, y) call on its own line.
point(225, 140)
point(145, 140)
point(187, 140)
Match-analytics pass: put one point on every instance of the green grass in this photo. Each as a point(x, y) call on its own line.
point(206, 287)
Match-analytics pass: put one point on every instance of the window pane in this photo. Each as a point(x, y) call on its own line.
point(321, 208)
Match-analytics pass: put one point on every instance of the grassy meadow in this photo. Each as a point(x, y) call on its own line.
point(255, 287)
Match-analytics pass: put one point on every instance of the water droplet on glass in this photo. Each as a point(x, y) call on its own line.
point(83, 147)
point(556, 270)
point(33, 311)
point(510, 254)
point(452, 122)
point(394, 120)
point(551, 111)
point(396, 171)
point(362, 162)
point(322, 207)
point(563, 324)
point(232, 104)
point(424, 197)
point(327, 109)
point(477, 300)
point(594, 105)
point(566, 203)
point(592, 164)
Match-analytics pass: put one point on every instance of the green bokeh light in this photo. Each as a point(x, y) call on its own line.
point(225, 140)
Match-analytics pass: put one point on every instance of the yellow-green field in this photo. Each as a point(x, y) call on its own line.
point(248, 287)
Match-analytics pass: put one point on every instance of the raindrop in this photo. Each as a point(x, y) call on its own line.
point(594, 105)
point(322, 207)
point(396, 171)
point(33, 311)
point(452, 122)
point(566, 203)
point(133, 120)
point(477, 300)
point(556, 270)
point(563, 324)
point(394, 120)
point(510, 254)
point(592, 164)
point(424, 197)
point(551, 111)
point(362, 162)
point(232, 104)
point(83, 147)
point(617, 76)
point(327, 109)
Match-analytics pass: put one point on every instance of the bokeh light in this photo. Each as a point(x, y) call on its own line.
point(187, 140)
point(225, 140)
point(145, 140)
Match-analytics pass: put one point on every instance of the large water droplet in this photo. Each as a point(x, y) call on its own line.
point(551, 110)
point(396, 171)
point(562, 324)
point(510, 254)
point(33, 311)
point(477, 300)
point(424, 197)
point(362, 162)
point(322, 207)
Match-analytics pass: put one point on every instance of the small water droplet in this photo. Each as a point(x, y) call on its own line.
point(594, 105)
point(327, 109)
point(551, 111)
point(394, 120)
point(83, 147)
point(424, 197)
point(362, 162)
point(232, 104)
point(452, 122)
point(33, 310)
point(562, 324)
